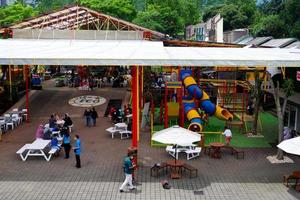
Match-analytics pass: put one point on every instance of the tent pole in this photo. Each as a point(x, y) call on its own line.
point(10, 83)
point(27, 88)
point(135, 105)
point(166, 124)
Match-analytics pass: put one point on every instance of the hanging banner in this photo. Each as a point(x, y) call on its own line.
point(298, 76)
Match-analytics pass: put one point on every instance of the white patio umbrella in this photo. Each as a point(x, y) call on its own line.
point(177, 136)
point(291, 146)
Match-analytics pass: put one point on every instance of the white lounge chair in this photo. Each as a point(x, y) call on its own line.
point(192, 153)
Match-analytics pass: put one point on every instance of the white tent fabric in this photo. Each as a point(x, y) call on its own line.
point(291, 146)
point(177, 136)
point(143, 53)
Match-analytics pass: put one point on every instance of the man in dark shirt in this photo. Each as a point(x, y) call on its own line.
point(94, 116)
point(68, 121)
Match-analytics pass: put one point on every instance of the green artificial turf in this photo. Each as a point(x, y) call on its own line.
point(269, 130)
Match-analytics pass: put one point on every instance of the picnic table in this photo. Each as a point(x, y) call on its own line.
point(216, 149)
point(37, 148)
point(191, 151)
point(176, 168)
point(121, 126)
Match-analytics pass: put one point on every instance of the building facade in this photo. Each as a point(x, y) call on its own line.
point(9, 2)
point(210, 31)
point(234, 35)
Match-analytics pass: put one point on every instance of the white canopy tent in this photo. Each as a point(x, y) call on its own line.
point(140, 53)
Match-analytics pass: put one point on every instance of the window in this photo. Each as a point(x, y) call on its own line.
point(290, 117)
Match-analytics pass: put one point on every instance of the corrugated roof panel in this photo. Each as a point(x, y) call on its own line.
point(259, 40)
point(278, 43)
point(243, 40)
point(295, 45)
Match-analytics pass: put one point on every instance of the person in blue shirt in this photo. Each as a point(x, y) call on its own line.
point(54, 143)
point(67, 144)
point(77, 151)
point(128, 170)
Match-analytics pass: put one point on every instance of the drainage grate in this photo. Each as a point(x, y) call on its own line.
point(198, 192)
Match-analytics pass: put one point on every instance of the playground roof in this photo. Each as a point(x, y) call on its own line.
point(79, 17)
point(137, 52)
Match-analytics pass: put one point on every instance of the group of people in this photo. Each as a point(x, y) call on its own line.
point(118, 114)
point(94, 81)
point(45, 132)
point(90, 116)
point(54, 119)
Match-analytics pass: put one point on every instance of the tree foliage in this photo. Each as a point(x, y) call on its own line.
point(277, 18)
point(175, 15)
point(124, 9)
point(47, 6)
point(236, 13)
point(15, 13)
point(162, 19)
point(268, 25)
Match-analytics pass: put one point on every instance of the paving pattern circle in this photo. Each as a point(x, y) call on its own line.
point(87, 101)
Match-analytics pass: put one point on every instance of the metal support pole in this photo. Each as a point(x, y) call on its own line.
point(10, 82)
point(27, 72)
point(166, 124)
point(135, 106)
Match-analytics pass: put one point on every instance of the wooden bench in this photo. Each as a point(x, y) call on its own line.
point(239, 124)
point(157, 168)
point(295, 177)
point(191, 169)
point(238, 153)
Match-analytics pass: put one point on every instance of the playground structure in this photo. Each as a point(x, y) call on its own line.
point(190, 108)
point(226, 100)
point(177, 104)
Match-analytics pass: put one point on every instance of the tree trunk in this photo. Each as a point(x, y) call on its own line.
point(256, 113)
point(257, 93)
point(280, 116)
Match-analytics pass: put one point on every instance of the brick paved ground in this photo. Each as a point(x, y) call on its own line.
point(101, 173)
